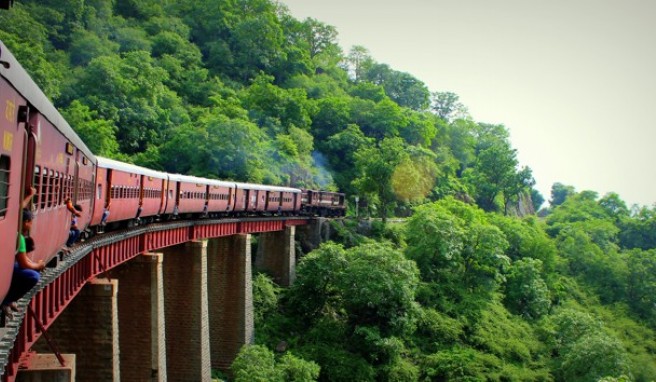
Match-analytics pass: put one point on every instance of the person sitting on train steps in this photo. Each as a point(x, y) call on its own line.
point(74, 233)
point(25, 275)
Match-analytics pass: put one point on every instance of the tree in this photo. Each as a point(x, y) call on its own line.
point(560, 193)
point(448, 107)
point(99, 134)
point(593, 357)
point(458, 252)
point(272, 106)
point(376, 166)
point(341, 150)
point(357, 59)
point(641, 283)
point(526, 293)
point(129, 91)
point(494, 172)
point(85, 46)
point(257, 363)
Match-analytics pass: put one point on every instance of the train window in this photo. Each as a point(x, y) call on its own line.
point(4, 184)
point(51, 187)
point(56, 194)
point(44, 188)
point(37, 185)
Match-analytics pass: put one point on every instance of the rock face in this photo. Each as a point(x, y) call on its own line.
point(310, 236)
point(523, 207)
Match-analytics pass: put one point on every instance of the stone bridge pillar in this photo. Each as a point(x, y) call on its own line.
point(186, 315)
point(230, 298)
point(276, 255)
point(141, 319)
point(88, 327)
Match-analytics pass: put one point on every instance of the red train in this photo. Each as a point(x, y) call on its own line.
point(39, 149)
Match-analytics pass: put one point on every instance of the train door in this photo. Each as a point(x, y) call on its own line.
point(266, 200)
point(178, 192)
point(162, 196)
point(247, 200)
point(76, 177)
point(30, 151)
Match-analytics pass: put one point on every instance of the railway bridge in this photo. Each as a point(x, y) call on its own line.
point(164, 301)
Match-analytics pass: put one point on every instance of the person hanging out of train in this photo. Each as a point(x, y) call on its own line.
point(105, 215)
point(75, 214)
point(139, 211)
point(74, 232)
point(26, 271)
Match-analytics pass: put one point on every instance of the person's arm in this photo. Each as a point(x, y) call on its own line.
point(28, 197)
point(70, 207)
point(26, 263)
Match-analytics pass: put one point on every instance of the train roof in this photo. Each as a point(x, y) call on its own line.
point(220, 183)
point(127, 167)
point(253, 186)
point(23, 83)
point(188, 179)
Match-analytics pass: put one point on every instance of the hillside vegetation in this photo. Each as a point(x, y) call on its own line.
point(465, 290)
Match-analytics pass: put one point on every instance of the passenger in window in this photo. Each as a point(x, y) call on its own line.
point(26, 271)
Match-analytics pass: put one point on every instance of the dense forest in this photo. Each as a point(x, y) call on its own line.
point(472, 286)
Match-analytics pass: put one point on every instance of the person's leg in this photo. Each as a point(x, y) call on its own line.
point(21, 282)
point(72, 237)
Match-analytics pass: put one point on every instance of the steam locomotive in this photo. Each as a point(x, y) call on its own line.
point(40, 150)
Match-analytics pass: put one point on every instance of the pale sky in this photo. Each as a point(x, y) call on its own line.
point(574, 81)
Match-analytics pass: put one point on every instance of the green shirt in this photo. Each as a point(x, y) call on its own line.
point(21, 243)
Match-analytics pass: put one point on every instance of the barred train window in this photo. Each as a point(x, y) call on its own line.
point(37, 185)
point(44, 188)
point(4, 184)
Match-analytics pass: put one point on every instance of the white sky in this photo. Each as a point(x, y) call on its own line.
point(574, 81)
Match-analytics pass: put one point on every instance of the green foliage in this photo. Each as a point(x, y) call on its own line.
point(457, 251)
point(376, 167)
point(265, 298)
point(560, 193)
point(526, 293)
point(460, 364)
point(294, 369)
point(99, 134)
point(257, 363)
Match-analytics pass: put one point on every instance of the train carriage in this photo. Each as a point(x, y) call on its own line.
point(220, 197)
point(190, 193)
point(250, 198)
point(40, 150)
point(133, 191)
point(323, 203)
point(282, 200)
